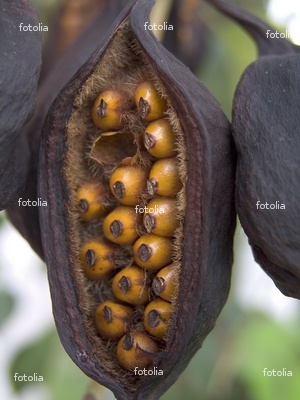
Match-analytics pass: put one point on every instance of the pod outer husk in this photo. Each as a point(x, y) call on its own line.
point(19, 70)
point(208, 225)
point(265, 125)
point(26, 219)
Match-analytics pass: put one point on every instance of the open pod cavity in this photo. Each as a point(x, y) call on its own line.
point(106, 258)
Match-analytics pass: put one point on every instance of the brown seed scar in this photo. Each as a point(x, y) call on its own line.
point(83, 206)
point(152, 186)
point(158, 285)
point(116, 228)
point(144, 252)
point(128, 342)
point(107, 314)
point(149, 222)
point(119, 190)
point(124, 284)
point(154, 318)
point(144, 107)
point(102, 110)
point(90, 257)
point(149, 141)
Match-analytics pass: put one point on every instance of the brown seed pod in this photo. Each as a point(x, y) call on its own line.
point(264, 129)
point(202, 246)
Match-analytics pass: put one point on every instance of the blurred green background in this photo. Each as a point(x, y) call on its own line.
point(257, 329)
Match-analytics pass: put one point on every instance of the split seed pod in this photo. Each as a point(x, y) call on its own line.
point(265, 125)
point(73, 148)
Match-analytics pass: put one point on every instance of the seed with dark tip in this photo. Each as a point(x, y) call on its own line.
point(116, 228)
point(107, 314)
point(90, 257)
point(144, 252)
point(124, 284)
point(119, 190)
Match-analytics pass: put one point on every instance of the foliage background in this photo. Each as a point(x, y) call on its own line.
point(257, 329)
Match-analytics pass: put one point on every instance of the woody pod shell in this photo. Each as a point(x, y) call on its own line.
point(208, 224)
point(265, 128)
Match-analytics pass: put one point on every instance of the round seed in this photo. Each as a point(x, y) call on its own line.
point(150, 104)
point(112, 320)
point(91, 198)
point(164, 178)
point(127, 183)
point(159, 139)
point(152, 252)
point(160, 216)
point(156, 317)
point(131, 285)
point(165, 283)
point(136, 350)
point(120, 225)
point(97, 259)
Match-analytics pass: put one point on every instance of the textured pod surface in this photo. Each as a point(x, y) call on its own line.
point(265, 125)
point(73, 148)
point(19, 70)
point(26, 219)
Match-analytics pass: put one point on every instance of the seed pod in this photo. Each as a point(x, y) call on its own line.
point(202, 248)
point(265, 132)
point(19, 70)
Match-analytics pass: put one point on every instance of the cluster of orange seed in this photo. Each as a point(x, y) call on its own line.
point(137, 216)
